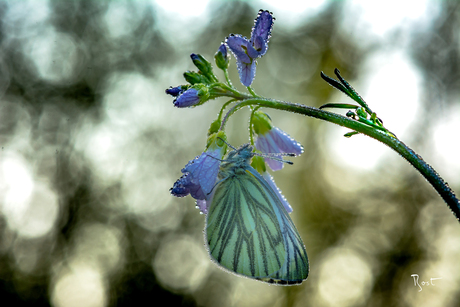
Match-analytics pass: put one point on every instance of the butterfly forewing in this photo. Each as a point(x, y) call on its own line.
point(250, 233)
point(242, 230)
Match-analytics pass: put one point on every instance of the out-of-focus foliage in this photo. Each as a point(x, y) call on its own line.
point(90, 145)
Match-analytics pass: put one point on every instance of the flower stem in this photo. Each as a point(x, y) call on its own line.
point(219, 117)
point(251, 132)
point(407, 153)
point(227, 78)
point(252, 92)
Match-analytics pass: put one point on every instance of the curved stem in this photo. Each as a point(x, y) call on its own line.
point(251, 132)
point(252, 92)
point(219, 117)
point(227, 78)
point(407, 153)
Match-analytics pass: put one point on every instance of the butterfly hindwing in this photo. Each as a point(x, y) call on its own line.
point(250, 233)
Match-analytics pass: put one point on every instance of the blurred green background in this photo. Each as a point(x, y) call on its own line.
point(90, 145)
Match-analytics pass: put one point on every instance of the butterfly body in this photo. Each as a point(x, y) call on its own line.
point(248, 230)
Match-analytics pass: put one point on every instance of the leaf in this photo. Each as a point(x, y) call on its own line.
point(350, 134)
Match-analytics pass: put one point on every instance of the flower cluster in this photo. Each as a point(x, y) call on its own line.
point(200, 174)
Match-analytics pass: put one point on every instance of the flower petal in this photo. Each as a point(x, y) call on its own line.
point(265, 144)
point(263, 26)
point(247, 72)
point(261, 32)
point(259, 46)
point(175, 91)
point(184, 186)
point(275, 188)
point(285, 142)
point(277, 141)
point(204, 170)
point(202, 205)
point(238, 45)
point(252, 53)
point(187, 99)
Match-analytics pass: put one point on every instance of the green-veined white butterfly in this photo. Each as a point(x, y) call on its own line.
point(248, 231)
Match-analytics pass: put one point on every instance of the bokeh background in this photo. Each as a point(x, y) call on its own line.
point(90, 145)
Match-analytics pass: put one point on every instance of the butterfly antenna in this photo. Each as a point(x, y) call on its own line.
point(276, 156)
point(214, 157)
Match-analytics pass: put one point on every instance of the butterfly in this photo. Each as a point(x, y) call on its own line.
point(248, 231)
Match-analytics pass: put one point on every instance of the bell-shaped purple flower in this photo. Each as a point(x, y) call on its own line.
point(247, 51)
point(200, 174)
point(187, 99)
point(269, 179)
point(273, 140)
point(198, 93)
point(199, 177)
point(277, 141)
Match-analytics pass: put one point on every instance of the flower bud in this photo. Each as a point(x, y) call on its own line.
point(202, 64)
point(176, 91)
point(361, 112)
point(197, 94)
point(194, 78)
point(222, 57)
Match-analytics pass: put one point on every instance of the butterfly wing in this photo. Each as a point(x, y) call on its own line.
point(249, 232)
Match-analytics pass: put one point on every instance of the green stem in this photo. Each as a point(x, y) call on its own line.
point(251, 133)
point(221, 89)
point(219, 117)
point(407, 153)
point(227, 78)
point(252, 92)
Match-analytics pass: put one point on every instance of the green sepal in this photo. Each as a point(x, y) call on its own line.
point(203, 93)
point(215, 126)
point(193, 77)
point(221, 60)
point(203, 66)
point(217, 140)
point(258, 163)
point(261, 122)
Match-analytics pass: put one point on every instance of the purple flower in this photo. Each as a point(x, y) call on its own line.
point(247, 51)
point(204, 169)
point(199, 177)
point(273, 140)
point(175, 91)
point(196, 94)
point(187, 99)
point(200, 174)
point(269, 179)
point(276, 140)
point(185, 186)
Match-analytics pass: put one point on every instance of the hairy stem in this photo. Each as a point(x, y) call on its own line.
point(407, 153)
